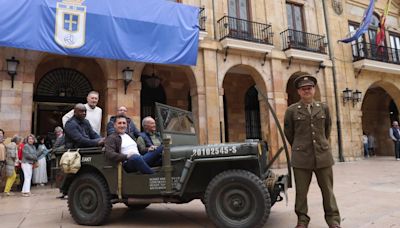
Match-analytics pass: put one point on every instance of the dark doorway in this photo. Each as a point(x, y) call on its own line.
point(149, 96)
point(56, 94)
point(252, 113)
point(378, 112)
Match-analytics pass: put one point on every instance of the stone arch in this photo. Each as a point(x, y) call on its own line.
point(237, 81)
point(253, 71)
point(292, 95)
point(178, 84)
point(379, 108)
point(49, 110)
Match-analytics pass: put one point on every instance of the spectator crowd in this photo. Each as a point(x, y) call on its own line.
point(26, 161)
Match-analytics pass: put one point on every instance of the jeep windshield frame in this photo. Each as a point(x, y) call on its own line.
point(177, 124)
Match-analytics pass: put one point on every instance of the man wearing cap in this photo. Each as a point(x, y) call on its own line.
point(307, 128)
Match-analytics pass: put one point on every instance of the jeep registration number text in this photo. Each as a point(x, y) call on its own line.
point(212, 151)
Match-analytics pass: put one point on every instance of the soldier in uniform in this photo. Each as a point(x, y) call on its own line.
point(307, 128)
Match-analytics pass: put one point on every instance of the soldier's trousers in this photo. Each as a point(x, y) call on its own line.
point(324, 176)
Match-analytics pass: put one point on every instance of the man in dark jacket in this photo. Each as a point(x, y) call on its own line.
point(79, 133)
point(130, 129)
point(149, 140)
point(307, 128)
point(120, 147)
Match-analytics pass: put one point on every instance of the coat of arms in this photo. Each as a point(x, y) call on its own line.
point(70, 23)
point(337, 6)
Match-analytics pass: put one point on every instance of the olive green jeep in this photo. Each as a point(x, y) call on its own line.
point(233, 180)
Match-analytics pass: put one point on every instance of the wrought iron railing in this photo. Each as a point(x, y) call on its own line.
point(303, 41)
point(231, 27)
point(202, 19)
point(363, 50)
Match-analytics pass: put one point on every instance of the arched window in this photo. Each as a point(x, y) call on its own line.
point(63, 85)
point(252, 112)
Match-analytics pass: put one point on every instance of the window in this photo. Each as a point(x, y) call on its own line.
point(373, 28)
point(239, 9)
point(395, 47)
point(295, 22)
point(357, 46)
point(295, 16)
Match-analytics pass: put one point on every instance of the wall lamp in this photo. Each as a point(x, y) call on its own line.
point(349, 95)
point(153, 81)
point(127, 74)
point(356, 97)
point(12, 69)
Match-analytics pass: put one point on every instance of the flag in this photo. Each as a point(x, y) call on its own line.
point(380, 34)
point(150, 31)
point(364, 24)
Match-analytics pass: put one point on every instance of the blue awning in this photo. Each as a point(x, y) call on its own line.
point(155, 31)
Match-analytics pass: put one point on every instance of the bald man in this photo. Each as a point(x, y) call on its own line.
point(131, 129)
point(78, 131)
point(93, 113)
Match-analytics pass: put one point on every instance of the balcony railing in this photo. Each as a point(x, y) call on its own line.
point(373, 52)
point(303, 41)
point(202, 19)
point(230, 27)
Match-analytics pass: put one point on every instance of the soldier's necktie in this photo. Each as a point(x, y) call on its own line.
point(309, 108)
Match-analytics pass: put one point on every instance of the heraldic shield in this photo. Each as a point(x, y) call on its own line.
point(70, 23)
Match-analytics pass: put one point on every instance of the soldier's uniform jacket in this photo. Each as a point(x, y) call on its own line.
point(308, 135)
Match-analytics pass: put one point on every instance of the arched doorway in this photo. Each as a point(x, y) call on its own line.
point(292, 95)
point(56, 93)
point(379, 110)
point(164, 84)
point(241, 105)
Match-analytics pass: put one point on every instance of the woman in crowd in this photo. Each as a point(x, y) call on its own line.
point(18, 167)
point(2, 154)
point(40, 173)
point(11, 159)
point(29, 156)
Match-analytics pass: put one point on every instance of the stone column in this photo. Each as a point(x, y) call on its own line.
point(212, 105)
point(277, 99)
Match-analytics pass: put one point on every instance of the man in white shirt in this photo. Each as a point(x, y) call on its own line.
point(120, 147)
point(93, 113)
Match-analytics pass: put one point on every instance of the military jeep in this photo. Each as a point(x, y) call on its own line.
point(233, 180)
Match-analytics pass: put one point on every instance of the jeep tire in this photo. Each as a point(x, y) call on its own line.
point(237, 198)
point(89, 200)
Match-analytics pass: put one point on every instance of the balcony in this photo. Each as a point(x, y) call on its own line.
point(202, 23)
point(303, 45)
point(376, 58)
point(245, 35)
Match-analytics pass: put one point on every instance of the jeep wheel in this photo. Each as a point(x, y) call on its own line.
point(137, 207)
point(237, 198)
point(89, 200)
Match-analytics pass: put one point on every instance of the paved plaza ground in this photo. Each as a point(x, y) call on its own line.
point(367, 191)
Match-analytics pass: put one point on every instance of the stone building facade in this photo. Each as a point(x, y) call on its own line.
point(244, 45)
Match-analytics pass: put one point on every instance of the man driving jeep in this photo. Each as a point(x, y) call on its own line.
point(120, 147)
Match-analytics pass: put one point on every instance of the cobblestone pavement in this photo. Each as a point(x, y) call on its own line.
point(367, 191)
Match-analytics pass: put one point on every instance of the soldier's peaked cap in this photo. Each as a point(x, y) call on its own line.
point(305, 80)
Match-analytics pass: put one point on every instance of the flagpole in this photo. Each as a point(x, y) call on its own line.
point(338, 123)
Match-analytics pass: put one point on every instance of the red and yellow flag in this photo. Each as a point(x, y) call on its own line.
point(380, 35)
